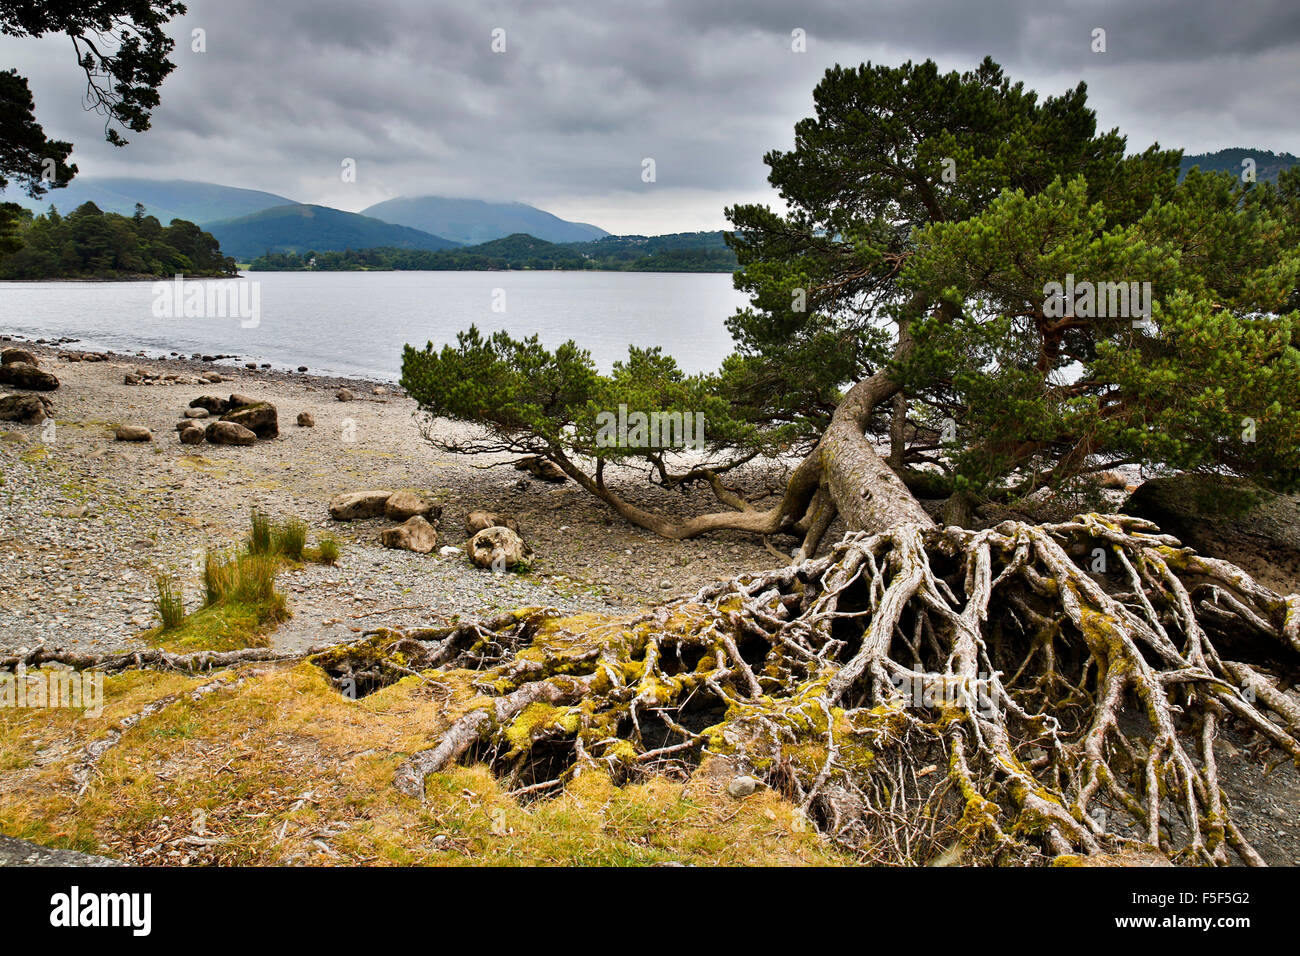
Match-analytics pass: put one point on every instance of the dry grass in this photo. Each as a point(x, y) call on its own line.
point(284, 770)
point(169, 601)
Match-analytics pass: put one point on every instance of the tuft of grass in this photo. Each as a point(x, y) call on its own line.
point(219, 572)
point(240, 604)
point(289, 539)
point(327, 551)
point(255, 580)
point(169, 601)
point(259, 537)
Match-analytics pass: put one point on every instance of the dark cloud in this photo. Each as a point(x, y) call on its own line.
point(585, 91)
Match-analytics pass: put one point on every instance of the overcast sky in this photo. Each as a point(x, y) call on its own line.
point(413, 92)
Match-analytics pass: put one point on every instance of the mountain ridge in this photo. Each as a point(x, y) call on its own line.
point(474, 221)
point(193, 200)
point(303, 227)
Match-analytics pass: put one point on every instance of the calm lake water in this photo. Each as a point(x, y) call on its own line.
point(355, 323)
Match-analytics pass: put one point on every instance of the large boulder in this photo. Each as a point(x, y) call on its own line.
point(229, 433)
point(356, 505)
point(407, 504)
point(28, 409)
point(238, 400)
point(499, 549)
point(1194, 508)
point(414, 534)
point(260, 418)
point(132, 433)
point(211, 404)
point(23, 375)
point(476, 521)
point(9, 356)
point(1228, 518)
point(542, 468)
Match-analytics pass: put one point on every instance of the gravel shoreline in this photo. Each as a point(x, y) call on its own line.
point(87, 520)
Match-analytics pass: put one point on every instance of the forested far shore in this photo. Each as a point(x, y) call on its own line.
point(88, 243)
point(679, 252)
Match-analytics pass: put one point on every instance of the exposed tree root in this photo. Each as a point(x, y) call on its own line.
point(927, 690)
point(194, 663)
point(924, 694)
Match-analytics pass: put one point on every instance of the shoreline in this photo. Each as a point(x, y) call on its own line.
point(189, 364)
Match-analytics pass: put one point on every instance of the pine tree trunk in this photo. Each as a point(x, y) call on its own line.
point(867, 492)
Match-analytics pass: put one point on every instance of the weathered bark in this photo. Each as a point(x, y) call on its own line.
point(898, 433)
point(867, 493)
point(196, 662)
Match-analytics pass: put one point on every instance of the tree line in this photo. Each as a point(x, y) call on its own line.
point(91, 244)
point(681, 252)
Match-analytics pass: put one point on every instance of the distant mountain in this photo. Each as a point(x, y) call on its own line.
point(167, 199)
point(1267, 163)
point(472, 221)
point(302, 228)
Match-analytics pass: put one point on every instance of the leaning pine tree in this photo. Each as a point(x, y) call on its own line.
point(923, 690)
point(922, 685)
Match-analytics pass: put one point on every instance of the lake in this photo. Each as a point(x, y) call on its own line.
point(354, 324)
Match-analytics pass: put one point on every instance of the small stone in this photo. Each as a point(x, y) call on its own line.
point(414, 534)
point(260, 418)
point(230, 433)
point(29, 409)
point(345, 395)
point(499, 549)
point(359, 504)
point(132, 433)
point(306, 420)
point(476, 521)
point(741, 787)
point(407, 504)
point(196, 413)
